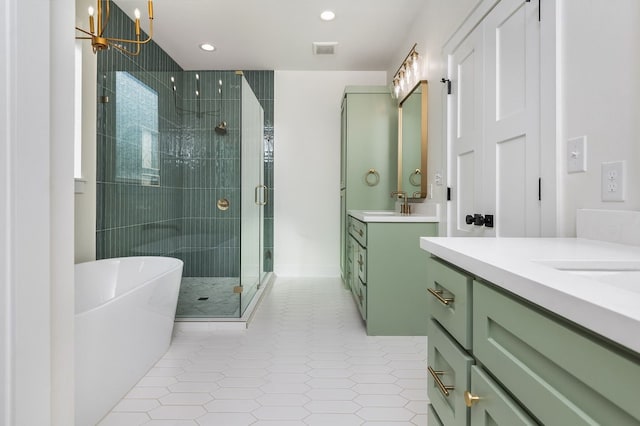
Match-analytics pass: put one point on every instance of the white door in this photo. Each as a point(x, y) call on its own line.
point(464, 111)
point(512, 118)
point(494, 120)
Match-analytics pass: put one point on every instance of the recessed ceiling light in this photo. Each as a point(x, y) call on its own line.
point(208, 47)
point(327, 15)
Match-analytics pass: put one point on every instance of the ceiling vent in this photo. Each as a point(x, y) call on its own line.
point(324, 47)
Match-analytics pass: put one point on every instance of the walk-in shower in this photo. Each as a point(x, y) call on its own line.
point(184, 163)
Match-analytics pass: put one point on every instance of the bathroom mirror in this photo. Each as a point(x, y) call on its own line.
point(412, 142)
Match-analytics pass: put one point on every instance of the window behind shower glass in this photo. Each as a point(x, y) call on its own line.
point(137, 154)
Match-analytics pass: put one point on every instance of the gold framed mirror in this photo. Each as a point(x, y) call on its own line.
point(413, 142)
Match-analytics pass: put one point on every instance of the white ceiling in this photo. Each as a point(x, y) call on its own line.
point(278, 34)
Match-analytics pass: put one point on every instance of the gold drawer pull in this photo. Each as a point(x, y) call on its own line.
point(438, 295)
point(361, 232)
point(436, 377)
point(470, 399)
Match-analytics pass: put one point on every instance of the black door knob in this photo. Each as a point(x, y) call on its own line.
point(468, 219)
point(478, 220)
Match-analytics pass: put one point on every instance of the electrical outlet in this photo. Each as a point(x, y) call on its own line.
point(613, 181)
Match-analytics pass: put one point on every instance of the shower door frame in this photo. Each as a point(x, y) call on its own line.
point(253, 195)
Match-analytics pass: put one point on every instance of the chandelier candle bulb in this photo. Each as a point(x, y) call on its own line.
point(91, 22)
point(137, 14)
point(150, 3)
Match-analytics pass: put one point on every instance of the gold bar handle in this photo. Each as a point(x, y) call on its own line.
point(438, 295)
point(436, 377)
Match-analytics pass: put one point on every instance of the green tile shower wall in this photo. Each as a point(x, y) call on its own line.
point(179, 217)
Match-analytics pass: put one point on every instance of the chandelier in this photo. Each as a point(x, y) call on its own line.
point(99, 42)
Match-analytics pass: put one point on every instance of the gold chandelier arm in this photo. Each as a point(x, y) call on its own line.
point(126, 51)
point(84, 38)
point(84, 31)
point(106, 18)
point(123, 40)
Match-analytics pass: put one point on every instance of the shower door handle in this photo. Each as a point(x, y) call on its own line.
point(265, 198)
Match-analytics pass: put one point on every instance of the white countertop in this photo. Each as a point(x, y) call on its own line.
point(605, 299)
point(391, 216)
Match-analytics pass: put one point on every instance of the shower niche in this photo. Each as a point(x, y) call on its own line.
point(184, 166)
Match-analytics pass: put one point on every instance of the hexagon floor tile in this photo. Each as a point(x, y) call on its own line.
point(304, 360)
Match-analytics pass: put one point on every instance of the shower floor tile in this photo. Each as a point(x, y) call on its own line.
point(207, 297)
point(304, 360)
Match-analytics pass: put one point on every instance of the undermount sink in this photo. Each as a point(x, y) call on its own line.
point(620, 273)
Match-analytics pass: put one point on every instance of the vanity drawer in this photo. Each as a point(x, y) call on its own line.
point(562, 374)
point(448, 376)
point(449, 299)
point(358, 230)
point(361, 261)
point(361, 298)
point(432, 417)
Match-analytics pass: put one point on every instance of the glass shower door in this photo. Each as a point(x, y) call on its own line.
point(253, 195)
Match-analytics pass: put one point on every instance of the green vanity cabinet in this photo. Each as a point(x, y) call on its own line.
point(368, 155)
point(530, 366)
point(497, 408)
point(389, 272)
point(561, 373)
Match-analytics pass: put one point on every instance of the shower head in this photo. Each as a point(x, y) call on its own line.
point(221, 128)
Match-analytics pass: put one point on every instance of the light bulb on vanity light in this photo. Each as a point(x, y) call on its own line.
point(403, 81)
point(415, 63)
point(396, 87)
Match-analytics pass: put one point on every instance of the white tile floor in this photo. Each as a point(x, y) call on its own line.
point(305, 360)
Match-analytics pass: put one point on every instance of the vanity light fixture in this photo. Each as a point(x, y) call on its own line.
point(408, 73)
point(328, 15)
point(100, 42)
point(208, 47)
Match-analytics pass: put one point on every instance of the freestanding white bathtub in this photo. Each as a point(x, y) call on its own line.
point(124, 314)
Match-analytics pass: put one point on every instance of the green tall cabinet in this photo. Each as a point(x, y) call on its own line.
point(369, 154)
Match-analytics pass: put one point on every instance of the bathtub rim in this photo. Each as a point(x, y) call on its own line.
point(179, 264)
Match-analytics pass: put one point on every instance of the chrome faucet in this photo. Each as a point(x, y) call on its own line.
point(405, 208)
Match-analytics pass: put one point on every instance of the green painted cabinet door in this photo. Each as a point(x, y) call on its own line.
point(562, 374)
point(494, 407)
point(368, 142)
point(449, 368)
point(449, 299)
point(371, 145)
point(395, 278)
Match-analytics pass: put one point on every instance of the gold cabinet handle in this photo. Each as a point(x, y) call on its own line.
point(470, 399)
point(361, 232)
point(436, 377)
point(438, 295)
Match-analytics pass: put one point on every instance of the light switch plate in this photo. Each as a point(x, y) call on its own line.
point(577, 155)
point(613, 181)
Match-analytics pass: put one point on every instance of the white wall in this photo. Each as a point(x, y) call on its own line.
point(36, 193)
point(85, 203)
point(307, 169)
point(599, 46)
